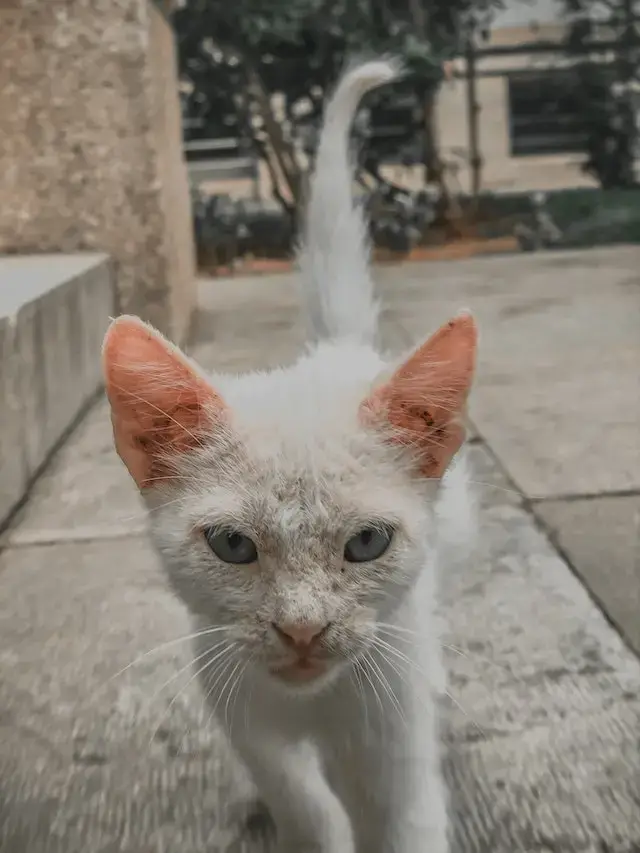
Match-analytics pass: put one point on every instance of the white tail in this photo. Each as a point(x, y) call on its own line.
point(334, 257)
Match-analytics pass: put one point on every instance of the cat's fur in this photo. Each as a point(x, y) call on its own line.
point(299, 460)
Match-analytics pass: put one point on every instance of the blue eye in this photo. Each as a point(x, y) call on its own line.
point(367, 545)
point(231, 547)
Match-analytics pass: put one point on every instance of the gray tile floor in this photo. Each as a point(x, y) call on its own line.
point(542, 725)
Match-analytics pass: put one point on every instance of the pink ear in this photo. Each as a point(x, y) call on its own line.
point(160, 405)
point(424, 401)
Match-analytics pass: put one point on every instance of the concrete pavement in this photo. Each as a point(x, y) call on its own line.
point(545, 696)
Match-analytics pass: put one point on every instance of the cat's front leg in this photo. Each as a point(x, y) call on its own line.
point(308, 816)
point(403, 809)
point(390, 779)
point(416, 811)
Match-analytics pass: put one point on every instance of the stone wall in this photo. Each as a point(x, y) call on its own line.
point(54, 311)
point(90, 147)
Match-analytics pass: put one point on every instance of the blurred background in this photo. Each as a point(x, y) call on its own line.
point(155, 159)
point(515, 128)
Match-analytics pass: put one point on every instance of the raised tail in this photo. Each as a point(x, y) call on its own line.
point(334, 257)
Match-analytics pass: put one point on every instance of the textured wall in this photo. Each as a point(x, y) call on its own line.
point(90, 153)
point(174, 197)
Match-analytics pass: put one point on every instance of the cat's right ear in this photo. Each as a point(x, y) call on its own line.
point(160, 405)
point(423, 401)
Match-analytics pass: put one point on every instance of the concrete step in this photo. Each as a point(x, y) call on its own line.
point(54, 310)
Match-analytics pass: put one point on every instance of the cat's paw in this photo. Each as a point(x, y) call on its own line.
point(256, 827)
point(302, 847)
point(258, 822)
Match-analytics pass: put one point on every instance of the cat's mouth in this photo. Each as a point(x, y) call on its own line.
point(300, 671)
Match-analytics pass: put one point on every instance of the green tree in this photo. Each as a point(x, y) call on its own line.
point(235, 54)
point(603, 38)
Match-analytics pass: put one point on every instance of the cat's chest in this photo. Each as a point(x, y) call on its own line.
point(316, 716)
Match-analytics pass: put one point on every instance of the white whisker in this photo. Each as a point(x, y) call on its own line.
point(386, 686)
point(182, 669)
point(496, 486)
point(189, 682)
point(357, 672)
point(365, 672)
point(412, 664)
point(162, 647)
point(235, 690)
point(229, 683)
point(212, 688)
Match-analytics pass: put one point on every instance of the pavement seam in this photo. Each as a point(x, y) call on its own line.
point(13, 515)
point(529, 505)
point(65, 537)
point(572, 497)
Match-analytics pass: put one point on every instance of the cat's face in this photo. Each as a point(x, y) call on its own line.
point(291, 509)
point(299, 562)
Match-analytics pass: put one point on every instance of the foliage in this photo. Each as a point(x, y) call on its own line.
point(584, 217)
point(605, 90)
point(235, 54)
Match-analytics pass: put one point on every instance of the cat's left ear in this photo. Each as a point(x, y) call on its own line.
point(422, 405)
point(160, 405)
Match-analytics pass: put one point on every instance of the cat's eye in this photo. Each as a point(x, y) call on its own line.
point(230, 546)
point(369, 544)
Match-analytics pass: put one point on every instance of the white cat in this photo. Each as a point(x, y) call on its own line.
point(296, 513)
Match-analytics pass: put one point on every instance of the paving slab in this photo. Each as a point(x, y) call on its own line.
point(247, 323)
point(540, 731)
point(544, 709)
point(559, 369)
point(601, 538)
point(542, 690)
point(557, 388)
point(89, 763)
point(86, 495)
point(557, 396)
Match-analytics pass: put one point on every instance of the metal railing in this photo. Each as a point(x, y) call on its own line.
point(220, 160)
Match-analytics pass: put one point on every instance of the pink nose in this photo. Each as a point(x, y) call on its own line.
point(299, 635)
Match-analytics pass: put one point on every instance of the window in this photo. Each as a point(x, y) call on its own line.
point(392, 126)
point(543, 114)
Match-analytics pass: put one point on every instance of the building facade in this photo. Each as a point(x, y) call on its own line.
point(529, 135)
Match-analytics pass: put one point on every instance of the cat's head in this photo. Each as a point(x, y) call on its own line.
point(292, 509)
